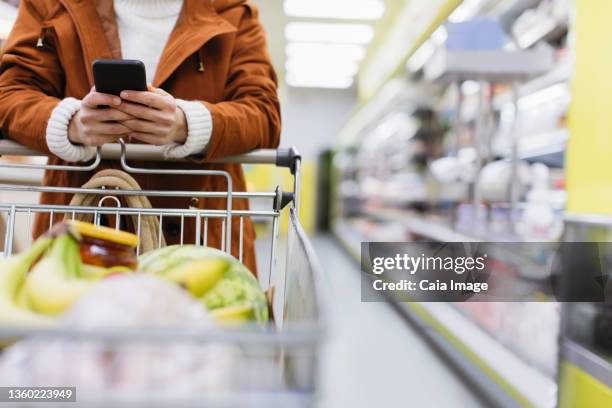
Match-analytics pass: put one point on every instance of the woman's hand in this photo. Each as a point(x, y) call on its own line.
point(93, 126)
point(155, 117)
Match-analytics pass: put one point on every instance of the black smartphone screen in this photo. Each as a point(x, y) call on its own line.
point(113, 76)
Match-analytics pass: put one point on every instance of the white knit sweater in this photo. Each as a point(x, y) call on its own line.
point(144, 28)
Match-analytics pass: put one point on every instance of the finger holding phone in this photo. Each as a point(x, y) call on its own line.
point(98, 122)
point(148, 114)
point(154, 117)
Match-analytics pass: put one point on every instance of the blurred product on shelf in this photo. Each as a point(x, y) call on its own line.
point(540, 220)
point(389, 168)
point(548, 21)
point(496, 179)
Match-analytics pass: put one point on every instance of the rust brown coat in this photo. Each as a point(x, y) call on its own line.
point(237, 84)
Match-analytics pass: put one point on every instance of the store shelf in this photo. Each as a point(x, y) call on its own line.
point(392, 199)
point(546, 29)
point(597, 220)
point(552, 153)
point(496, 66)
point(422, 227)
point(561, 73)
point(589, 362)
point(436, 231)
point(548, 148)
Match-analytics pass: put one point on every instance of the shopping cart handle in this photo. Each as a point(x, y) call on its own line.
point(281, 157)
point(288, 158)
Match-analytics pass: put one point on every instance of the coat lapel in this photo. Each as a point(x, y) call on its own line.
point(91, 32)
point(197, 24)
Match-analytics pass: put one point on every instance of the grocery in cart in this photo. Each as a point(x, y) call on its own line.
point(101, 304)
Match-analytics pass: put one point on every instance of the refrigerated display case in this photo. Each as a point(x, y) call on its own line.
point(501, 177)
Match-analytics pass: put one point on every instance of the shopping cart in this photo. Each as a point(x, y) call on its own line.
point(272, 367)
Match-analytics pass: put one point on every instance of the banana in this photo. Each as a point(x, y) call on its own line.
point(21, 299)
point(54, 285)
point(12, 275)
point(199, 276)
point(234, 314)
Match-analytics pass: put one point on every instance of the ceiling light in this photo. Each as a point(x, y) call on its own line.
point(329, 33)
point(322, 68)
point(320, 51)
point(338, 9)
point(308, 81)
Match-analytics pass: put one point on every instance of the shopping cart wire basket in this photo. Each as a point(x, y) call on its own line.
point(273, 366)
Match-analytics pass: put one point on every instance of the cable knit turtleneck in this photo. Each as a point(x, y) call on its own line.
point(144, 27)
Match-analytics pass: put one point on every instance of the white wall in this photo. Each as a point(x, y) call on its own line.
point(312, 118)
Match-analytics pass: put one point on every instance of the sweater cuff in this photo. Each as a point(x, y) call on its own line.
point(57, 133)
point(199, 130)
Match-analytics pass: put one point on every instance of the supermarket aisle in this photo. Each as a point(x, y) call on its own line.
point(372, 358)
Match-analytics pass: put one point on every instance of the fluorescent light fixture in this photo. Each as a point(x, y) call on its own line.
point(329, 33)
point(421, 56)
point(308, 81)
point(466, 10)
point(322, 68)
point(336, 9)
point(349, 52)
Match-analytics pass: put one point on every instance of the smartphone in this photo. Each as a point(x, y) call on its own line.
point(111, 76)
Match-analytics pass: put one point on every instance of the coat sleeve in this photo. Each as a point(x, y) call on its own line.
point(31, 81)
point(249, 118)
